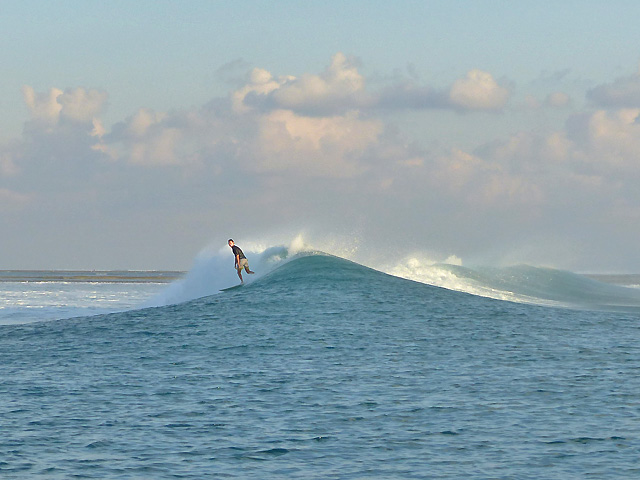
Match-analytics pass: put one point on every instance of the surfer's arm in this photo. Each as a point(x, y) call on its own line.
point(237, 261)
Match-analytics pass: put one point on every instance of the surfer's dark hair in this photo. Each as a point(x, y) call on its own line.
point(230, 240)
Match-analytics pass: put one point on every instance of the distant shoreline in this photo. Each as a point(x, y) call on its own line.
point(91, 276)
point(168, 276)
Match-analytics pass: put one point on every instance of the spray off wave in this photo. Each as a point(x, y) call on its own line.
point(213, 270)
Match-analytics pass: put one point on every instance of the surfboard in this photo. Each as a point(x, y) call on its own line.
point(232, 288)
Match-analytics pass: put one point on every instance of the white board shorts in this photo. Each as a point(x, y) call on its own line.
point(243, 263)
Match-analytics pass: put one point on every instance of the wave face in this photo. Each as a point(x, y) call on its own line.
point(323, 368)
point(213, 271)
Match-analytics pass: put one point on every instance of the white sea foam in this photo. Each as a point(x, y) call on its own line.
point(24, 302)
point(213, 270)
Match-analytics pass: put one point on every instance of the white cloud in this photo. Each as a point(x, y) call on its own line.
point(485, 181)
point(60, 144)
point(149, 138)
point(82, 105)
point(336, 90)
point(341, 88)
point(98, 128)
point(76, 104)
point(593, 160)
point(261, 82)
point(259, 139)
point(43, 106)
point(614, 138)
point(478, 91)
point(158, 149)
point(143, 120)
point(329, 146)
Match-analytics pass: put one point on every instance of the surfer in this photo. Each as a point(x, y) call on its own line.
point(241, 260)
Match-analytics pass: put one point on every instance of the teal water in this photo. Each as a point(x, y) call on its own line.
point(324, 369)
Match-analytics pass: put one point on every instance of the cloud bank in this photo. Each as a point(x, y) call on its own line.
point(319, 152)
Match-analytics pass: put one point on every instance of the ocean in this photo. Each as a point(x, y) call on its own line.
point(319, 368)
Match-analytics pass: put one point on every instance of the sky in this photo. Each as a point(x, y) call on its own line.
point(133, 135)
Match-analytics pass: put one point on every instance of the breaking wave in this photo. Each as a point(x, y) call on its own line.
point(213, 271)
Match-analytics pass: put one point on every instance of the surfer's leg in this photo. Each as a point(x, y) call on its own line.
point(245, 263)
point(240, 275)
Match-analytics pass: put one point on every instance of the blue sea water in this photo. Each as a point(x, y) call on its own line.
point(326, 369)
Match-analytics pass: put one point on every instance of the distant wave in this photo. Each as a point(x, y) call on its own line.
point(526, 284)
point(214, 271)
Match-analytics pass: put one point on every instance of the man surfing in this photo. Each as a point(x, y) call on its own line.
point(241, 260)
